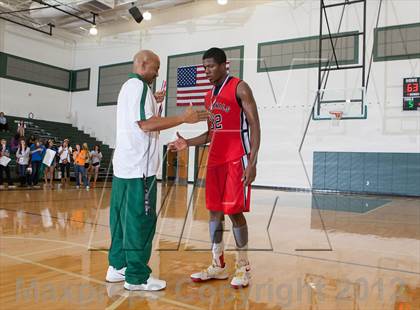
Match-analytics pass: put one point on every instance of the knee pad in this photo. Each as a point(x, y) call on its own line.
point(241, 235)
point(216, 231)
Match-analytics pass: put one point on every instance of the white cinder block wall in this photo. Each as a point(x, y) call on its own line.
point(387, 129)
point(17, 98)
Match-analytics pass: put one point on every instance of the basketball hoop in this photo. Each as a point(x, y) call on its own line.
point(340, 103)
point(336, 117)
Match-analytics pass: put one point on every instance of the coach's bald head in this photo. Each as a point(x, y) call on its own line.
point(146, 63)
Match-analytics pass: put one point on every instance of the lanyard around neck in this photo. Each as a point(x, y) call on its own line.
point(214, 96)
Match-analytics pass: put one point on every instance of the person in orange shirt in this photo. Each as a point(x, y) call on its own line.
point(80, 156)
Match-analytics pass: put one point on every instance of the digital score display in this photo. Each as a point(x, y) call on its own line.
point(411, 94)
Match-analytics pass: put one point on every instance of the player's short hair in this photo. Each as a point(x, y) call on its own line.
point(217, 54)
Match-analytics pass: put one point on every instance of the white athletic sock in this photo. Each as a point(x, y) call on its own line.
point(218, 257)
point(242, 256)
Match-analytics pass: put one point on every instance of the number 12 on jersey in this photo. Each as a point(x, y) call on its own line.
point(216, 121)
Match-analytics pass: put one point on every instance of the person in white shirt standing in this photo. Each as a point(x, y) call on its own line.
point(23, 155)
point(96, 157)
point(64, 152)
point(4, 163)
point(135, 164)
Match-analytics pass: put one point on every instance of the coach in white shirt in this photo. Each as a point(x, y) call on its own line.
point(135, 163)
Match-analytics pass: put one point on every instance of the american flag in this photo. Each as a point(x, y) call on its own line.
point(192, 85)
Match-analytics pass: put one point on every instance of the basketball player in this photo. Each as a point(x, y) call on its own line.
point(231, 166)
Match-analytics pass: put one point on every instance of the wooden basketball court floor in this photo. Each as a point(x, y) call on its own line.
point(307, 251)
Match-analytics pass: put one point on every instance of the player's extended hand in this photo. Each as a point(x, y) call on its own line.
point(160, 96)
point(249, 175)
point(192, 116)
point(179, 144)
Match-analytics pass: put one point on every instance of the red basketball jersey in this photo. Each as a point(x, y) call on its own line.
point(228, 125)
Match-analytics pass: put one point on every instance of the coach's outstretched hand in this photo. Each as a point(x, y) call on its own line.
point(192, 116)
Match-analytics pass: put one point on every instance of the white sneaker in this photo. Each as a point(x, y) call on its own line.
point(212, 272)
point(242, 277)
point(152, 284)
point(77, 186)
point(87, 187)
point(114, 275)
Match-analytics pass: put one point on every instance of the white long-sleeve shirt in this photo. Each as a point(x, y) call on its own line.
point(23, 157)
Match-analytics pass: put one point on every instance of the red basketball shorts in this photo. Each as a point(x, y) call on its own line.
point(225, 190)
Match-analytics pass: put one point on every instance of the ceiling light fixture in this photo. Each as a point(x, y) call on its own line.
point(147, 15)
point(222, 2)
point(93, 30)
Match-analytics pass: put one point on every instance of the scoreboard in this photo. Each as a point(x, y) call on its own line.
point(411, 94)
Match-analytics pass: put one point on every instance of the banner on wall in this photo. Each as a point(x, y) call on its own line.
point(192, 85)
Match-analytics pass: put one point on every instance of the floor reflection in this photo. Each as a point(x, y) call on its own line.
point(374, 262)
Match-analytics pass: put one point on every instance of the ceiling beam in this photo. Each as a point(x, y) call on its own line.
point(93, 21)
point(26, 26)
point(26, 10)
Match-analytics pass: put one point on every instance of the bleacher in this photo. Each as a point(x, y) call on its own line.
point(57, 131)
